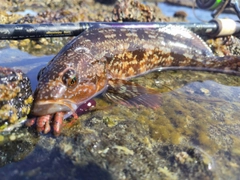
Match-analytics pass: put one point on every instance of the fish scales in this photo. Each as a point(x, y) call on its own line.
point(140, 49)
point(99, 59)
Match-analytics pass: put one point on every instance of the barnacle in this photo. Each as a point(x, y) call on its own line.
point(15, 97)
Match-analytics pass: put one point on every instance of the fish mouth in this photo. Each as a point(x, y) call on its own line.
point(41, 108)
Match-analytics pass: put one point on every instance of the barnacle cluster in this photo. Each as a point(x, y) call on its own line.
point(15, 97)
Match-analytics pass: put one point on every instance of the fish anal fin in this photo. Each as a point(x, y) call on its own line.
point(132, 94)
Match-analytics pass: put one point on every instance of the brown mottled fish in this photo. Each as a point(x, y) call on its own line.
point(100, 60)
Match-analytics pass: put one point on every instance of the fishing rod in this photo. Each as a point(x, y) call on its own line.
point(215, 27)
point(21, 31)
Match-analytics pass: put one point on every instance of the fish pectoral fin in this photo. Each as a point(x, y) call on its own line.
point(132, 94)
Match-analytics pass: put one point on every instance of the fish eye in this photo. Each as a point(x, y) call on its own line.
point(69, 78)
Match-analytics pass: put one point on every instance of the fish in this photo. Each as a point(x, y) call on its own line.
point(104, 60)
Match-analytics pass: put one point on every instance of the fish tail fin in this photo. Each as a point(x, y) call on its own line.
point(225, 64)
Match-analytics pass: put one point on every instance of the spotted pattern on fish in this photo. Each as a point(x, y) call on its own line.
point(85, 67)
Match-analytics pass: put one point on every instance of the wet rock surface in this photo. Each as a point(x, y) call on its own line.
point(193, 135)
point(16, 98)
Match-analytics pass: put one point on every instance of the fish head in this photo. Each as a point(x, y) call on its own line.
point(67, 82)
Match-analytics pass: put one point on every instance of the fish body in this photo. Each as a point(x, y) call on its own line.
point(105, 59)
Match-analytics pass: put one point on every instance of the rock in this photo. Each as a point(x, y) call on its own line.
point(15, 98)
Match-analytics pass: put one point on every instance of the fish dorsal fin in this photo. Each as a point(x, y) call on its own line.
point(132, 94)
point(184, 36)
